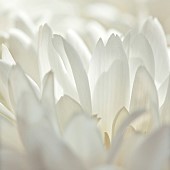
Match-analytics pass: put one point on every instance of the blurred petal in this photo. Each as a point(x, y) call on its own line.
point(111, 94)
point(66, 109)
point(45, 35)
point(144, 96)
point(6, 56)
point(140, 54)
point(24, 53)
point(9, 134)
point(61, 71)
point(85, 56)
point(11, 159)
point(153, 153)
point(80, 76)
point(156, 37)
point(118, 138)
point(118, 120)
point(48, 100)
point(38, 134)
point(165, 109)
point(82, 135)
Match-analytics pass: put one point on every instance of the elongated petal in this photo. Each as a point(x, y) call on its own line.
point(140, 54)
point(9, 133)
point(153, 153)
point(4, 75)
point(82, 135)
point(162, 91)
point(44, 147)
point(48, 100)
point(118, 120)
point(38, 134)
point(66, 109)
point(104, 57)
point(61, 70)
point(12, 159)
point(118, 138)
point(45, 35)
point(18, 85)
point(144, 96)
point(85, 56)
point(6, 55)
point(111, 94)
point(58, 45)
point(24, 23)
point(80, 77)
point(95, 67)
point(155, 35)
point(165, 109)
point(24, 53)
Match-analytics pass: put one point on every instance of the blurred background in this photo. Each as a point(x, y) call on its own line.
point(62, 15)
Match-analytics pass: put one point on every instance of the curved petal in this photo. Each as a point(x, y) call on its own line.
point(118, 138)
point(144, 96)
point(165, 109)
point(66, 108)
point(44, 36)
point(80, 77)
point(6, 55)
point(111, 94)
point(39, 136)
point(48, 100)
point(82, 135)
point(85, 56)
point(4, 76)
point(153, 153)
point(156, 37)
point(11, 159)
point(141, 52)
point(61, 70)
point(23, 52)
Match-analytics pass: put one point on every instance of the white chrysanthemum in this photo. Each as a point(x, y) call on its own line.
point(113, 110)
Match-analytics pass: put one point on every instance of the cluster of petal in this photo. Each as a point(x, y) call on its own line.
point(67, 108)
point(81, 102)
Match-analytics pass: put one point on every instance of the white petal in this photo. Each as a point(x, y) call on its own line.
point(66, 109)
point(144, 96)
point(24, 53)
point(85, 56)
point(24, 23)
point(165, 109)
point(83, 137)
point(95, 68)
point(141, 52)
point(6, 113)
point(46, 150)
point(103, 58)
point(11, 159)
point(80, 77)
point(58, 45)
point(118, 138)
point(61, 70)
point(111, 94)
point(40, 139)
point(153, 153)
point(45, 35)
point(162, 91)
point(118, 120)
point(18, 85)
point(6, 55)
point(155, 35)
point(4, 75)
point(9, 134)
point(48, 100)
